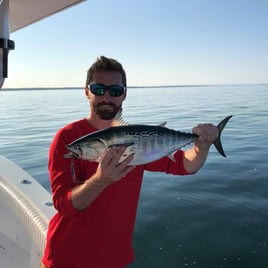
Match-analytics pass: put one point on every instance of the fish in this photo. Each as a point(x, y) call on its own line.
point(147, 143)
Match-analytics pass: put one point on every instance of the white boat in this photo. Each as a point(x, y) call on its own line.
point(25, 209)
point(25, 206)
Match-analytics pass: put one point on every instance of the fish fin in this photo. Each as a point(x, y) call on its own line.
point(121, 144)
point(172, 157)
point(217, 142)
point(70, 155)
point(118, 119)
point(163, 124)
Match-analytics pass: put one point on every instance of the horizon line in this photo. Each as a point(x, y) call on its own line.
point(152, 86)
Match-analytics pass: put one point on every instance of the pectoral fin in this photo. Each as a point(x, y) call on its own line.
point(172, 157)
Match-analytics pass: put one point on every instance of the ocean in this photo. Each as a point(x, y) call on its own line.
point(215, 218)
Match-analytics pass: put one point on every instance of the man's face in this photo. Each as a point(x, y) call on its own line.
point(106, 106)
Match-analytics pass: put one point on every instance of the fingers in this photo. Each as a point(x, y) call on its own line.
point(124, 165)
point(111, 169)
point(118, 152)
point(108, 156)
point(207, 133)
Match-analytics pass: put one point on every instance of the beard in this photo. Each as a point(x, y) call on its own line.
point(106, 110)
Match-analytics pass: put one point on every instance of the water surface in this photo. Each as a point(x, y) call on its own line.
point(215, 218)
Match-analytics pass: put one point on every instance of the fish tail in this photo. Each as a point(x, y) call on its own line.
point(217, 142)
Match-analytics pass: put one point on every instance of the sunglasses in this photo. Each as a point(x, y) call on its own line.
point(114, 90)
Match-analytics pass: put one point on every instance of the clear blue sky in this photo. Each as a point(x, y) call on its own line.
point(159, 42)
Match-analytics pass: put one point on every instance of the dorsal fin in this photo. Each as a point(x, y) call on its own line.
point(118, 119)
point(163, 124)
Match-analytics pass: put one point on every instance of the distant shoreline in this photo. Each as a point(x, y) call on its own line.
point(138, 87)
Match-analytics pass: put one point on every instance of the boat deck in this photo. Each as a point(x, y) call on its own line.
point(11, 254)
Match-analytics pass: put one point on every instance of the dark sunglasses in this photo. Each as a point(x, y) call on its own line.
point(99, 90)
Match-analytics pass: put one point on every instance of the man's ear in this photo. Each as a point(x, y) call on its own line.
point(87, 92)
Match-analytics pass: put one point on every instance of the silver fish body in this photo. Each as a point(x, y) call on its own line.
point(146, 143)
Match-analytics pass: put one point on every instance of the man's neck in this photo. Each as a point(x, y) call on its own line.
point(99, 123)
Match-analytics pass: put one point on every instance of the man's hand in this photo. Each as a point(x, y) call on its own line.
point(207, 133)
point(110, 170)
point(195, 157)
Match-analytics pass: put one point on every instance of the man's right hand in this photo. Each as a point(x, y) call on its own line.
point(110, 170)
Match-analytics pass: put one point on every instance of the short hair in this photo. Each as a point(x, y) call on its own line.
point(103, 64)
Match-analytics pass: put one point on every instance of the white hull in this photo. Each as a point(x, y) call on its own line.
point(25, 210)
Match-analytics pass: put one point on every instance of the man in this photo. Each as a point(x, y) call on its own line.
point(97, 203)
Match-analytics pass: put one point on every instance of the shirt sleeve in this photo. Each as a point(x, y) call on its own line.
point(62, 173)
point(169, 166)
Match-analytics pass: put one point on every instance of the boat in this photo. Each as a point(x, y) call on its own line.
point(25, 209)
point(25, 205)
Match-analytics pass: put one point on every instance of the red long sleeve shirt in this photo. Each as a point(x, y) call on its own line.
point(101, 235)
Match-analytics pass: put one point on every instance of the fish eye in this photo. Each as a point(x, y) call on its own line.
point(79, 148)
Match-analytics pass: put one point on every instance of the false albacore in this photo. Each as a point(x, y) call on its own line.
point(147, 143)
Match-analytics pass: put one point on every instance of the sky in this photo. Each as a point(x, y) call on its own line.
point(159, 42)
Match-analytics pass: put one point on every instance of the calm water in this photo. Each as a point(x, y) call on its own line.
point(216, 218)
